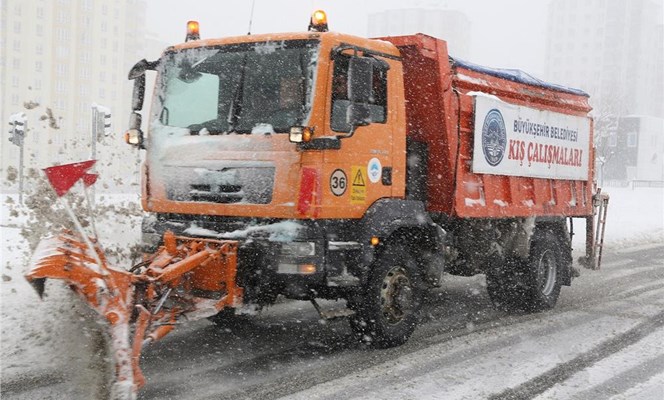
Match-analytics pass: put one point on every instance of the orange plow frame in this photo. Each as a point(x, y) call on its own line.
point(186, 276)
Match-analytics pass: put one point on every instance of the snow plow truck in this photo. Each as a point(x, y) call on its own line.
point(319, 165)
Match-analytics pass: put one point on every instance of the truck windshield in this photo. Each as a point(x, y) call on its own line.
point(243, 88)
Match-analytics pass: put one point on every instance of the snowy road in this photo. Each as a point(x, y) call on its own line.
point(605, 339)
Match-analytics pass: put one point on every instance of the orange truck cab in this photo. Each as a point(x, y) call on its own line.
point(363, 169)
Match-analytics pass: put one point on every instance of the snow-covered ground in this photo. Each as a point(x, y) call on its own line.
point(36, 336)
point(635, 216)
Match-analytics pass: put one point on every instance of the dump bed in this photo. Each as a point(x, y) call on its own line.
point(498, 143)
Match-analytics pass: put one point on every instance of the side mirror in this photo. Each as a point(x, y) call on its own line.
point(360, 82)
point(138, 94)
point(360, 79)
point(134, 135)
point(358, 114)
point(137, 74)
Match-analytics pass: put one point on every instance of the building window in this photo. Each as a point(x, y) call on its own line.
point(63, 51)
point(63, 17)
point(17, 27)
point(16, 63)
point(62, 35)
point(613, 140)
point(38, 66)
point(39, 49)
point(61, 69)
point(40, 30)
point(632, 139)
point(15, 81)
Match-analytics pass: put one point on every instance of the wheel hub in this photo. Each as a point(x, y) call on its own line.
point(396, 295)
point(546, 272)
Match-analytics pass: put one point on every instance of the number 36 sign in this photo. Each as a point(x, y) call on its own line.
point(338, 182)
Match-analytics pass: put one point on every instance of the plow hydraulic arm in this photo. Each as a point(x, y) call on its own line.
point(186, 276)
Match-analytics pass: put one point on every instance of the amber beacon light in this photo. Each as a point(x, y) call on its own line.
point(193, 31)
point(318, 21)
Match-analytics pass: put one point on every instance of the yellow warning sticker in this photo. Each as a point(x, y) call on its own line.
point(358, 188)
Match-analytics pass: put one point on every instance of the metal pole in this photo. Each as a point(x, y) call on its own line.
point(20, 171)
point(91, 212)
point(93, 145)
point(84, 236)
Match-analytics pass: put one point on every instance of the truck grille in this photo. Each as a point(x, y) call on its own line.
point(249, 185)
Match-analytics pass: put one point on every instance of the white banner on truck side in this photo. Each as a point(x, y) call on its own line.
point(523, 141)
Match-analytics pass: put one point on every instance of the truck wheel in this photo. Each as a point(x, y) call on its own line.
point(544, 277)
point(532, 285)
point(387, 313)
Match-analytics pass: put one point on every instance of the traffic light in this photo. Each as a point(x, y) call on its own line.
point(17, 123)
point(107, 124)
point(101, 117)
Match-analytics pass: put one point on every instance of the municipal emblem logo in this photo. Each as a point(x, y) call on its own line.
point(374, 170)
point(494, 137)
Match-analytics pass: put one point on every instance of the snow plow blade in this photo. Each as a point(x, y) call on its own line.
point(201, 271)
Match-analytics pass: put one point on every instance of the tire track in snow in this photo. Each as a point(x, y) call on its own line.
point(625, 380)
point(454, 357)
point(564, 371)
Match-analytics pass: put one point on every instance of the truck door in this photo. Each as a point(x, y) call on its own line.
point(362, 171)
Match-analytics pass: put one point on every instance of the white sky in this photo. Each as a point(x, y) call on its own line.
point(505, 33)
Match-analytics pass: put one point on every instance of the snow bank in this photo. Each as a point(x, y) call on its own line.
point(635, 217)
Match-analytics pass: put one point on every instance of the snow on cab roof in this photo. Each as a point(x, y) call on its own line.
point(516, 75)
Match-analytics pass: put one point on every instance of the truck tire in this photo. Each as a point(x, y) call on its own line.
point(388, 312)
point(532, 285)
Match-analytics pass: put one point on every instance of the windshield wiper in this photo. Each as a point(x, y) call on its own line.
point(235, 109)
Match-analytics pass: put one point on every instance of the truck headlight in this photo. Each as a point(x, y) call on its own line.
point(302, 269)
point(298, 249)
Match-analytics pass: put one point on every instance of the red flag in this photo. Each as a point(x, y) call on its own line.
point(63, 177)
point(89, 179)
